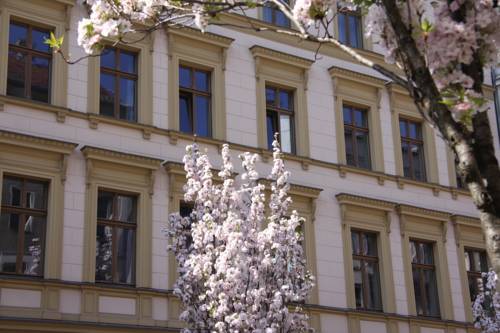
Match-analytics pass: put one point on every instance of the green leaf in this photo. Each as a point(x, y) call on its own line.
point(426, 26)
point(53, 42)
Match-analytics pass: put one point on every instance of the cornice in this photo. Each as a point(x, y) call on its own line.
point(466, 221)
point(18, 139)
point(112, 156)
point(296, 189)
point(356, 200)
point(404, 209)
point(205, 37)
point(176, 168)
point(347, 74)
point(286, 58)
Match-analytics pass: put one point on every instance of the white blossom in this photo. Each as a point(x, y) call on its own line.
point(486, 306)
point(239, 268)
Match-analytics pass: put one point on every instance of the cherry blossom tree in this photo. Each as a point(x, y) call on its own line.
point(440, 48)
point(486, 306)
point(240, 269)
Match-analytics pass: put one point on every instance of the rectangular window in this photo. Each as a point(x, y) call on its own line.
point(29, 64)
point(350, 29)
point(280, 118)
point(356, 134)
point(475, 263)
point(115, 240)
point(424, 278)
point(412, 147)
point(195, 115)
point(23, 221)
point(118, 84)
point(275, 16)
point(366, 270)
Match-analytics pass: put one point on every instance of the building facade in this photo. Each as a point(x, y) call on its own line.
point(90, 167)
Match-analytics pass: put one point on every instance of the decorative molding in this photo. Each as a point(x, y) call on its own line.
point(61, 116)
point(296, 189)
point(101, 154)
point(36, 142)
point(64, 167)
point(198, 35)
point(404, 209)
point(93, 122)
point(357, 200)
point(289, 59)
point(346, 74)
point(146, 133)
point(151, 184)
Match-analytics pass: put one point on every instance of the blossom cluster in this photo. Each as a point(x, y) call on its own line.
point(486, 306)
point(241, 266)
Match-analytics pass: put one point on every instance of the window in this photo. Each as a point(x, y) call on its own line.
point(115, 241)
point(356, 135)
point(412, 148)
point(29, 64)
point(279, 118)
point(22, 226)
point(350, 28)
point(118, 84)
point(475, 263)
point(271, 14)
point(366, 272)
point(194, 101)
point(424, 278)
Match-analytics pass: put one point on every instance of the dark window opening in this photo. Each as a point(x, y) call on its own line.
point(350, 28)
point(356, 134)
point(476, 263)
point(272, 14)
point(280, 118)
point(412, 148)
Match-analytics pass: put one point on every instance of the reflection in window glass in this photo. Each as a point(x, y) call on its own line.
point(272, 15)
point(356, 137)
point(22, 226)
point(29, 62)
point(280, 118)
point(476, 263)
point(350, 30)
point(412, 149)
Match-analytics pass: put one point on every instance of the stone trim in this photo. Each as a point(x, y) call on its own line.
point(347, 74)
point(121, 158)
point(36, 142)
point(289, 59)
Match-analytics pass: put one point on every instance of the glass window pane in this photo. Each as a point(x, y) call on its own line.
point(203, 121)
point(127, 100)
point(40, 78)
point(406, 159)
point(11, 191)
point(185, 209)
point(358, 284)
point(413, 252)
point(267, 14)
point(108, 58)
point(370, 244)
point(185, 77)
point(342, 30)
point(104, 254)
point(9, 228)
point(18, 34)
point(105, 205)
point(127, 62)
point(281, 19)
point(125, 239)
point(16, 74)
point(38, 40)
point(402, 128)
point(270, 96)
point(356, 249)
point(349, 147)
point(34, 236)
point(473, 287)
point(360, 118)
point(415, 132)
point(36, 195)
point(467, 261)
point(347, 115)
point(286, 134)
point(125, 208)
point(375, 299)
point(430, 287)
point(272, 128)
point(285, 100)
point(201, 80)
point(418, 161)
point(185, 114)
point(353, 31)
point(427, 254)
point(418, 292)
point(484, 261)
point(107, 95)
point(363, 148)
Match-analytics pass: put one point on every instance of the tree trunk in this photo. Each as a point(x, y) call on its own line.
point(475, 152)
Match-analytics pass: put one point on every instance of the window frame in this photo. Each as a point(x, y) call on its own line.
point(354, 129)
point(475, 274)
point(411, 141)
point(192, 92)
point(23, 212)
point(117, 75)
point(273, 9)
point(118, 224)
point(53, 18)
point(29, 54)
point(359, 22)
point(421, 267)
point(371, 259)
point(279, 111)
